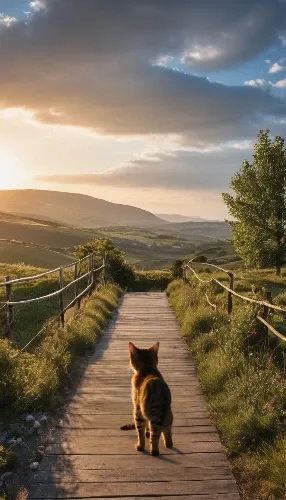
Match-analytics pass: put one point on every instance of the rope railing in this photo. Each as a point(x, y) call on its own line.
point(41, 275)
point(90, 276)
point(267, 305)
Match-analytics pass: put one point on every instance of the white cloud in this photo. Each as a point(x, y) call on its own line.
point(202, 54)
point(7, 20)
point(275, 68)
point(266, 84)
point(37, 4)
point(258, 83)
point(281, 84)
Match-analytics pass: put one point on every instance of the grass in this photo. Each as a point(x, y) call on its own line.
point(11, 252)
point(33, 381)
point(244, 385)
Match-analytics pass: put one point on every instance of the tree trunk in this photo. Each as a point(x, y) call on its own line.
point(278, 271)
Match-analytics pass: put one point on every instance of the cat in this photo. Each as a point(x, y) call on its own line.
point(151, 400)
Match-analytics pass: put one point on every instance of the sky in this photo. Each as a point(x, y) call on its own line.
point(152, 103)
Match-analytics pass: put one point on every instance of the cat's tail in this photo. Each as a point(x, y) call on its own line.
point(127, 427)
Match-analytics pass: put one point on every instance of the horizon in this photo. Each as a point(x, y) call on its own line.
point(162, 127)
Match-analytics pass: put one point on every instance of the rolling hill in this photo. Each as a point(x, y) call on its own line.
point(74, 209)
point(179, 218)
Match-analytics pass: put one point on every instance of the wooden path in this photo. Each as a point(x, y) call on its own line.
point(92, 458)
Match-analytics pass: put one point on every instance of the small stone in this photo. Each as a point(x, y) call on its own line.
point(43, 419)
point(29, 419)
point(34, 465)
point(19, 441)
point(37, 424)
point(5, 475)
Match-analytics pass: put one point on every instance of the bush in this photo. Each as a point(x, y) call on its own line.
point(151, 280)
point(117, 269)
point(177, 269)
point(33, 381)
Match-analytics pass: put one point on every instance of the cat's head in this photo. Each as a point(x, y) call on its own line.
point(142, 359)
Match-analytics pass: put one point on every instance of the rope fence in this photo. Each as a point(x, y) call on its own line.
point(266, 305)
point(92, 276)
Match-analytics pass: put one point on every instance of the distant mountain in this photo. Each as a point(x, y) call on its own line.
point(179, 218)
point(74, 209)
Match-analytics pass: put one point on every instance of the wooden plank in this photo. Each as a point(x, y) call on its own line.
point(195, 432)
point(101, 462)
point(83, 490)
point(94, 446)
point(101, 476)
point(198, 433)
point(110, 421)
point(190, 496)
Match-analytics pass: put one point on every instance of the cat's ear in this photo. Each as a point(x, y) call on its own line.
point(132, 349)
point(155, 347)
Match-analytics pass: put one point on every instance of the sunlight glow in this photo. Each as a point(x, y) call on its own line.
point(10, 171)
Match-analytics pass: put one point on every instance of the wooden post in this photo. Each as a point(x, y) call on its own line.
point(184, 275)
point(104, 270)
point(10, 310)
point(61, 298)
point(76, 284)
point(92, 277)
point(266, 313)
point(231, 284)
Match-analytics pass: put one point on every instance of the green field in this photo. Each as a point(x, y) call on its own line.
point(11, 252)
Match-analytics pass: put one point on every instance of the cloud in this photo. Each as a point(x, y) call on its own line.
point(38, 4)
point(178, 170)
point(266, 84)
point(7, 21)
point(259, 83)
point(275, 68)
point(281, 84)
point(89, 64)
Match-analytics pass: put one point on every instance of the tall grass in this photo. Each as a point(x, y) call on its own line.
point(243, 383)
point(31, 381)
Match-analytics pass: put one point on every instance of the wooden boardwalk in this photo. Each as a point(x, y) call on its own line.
point(92, 458)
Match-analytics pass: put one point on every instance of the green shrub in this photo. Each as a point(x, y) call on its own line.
point(151, 280)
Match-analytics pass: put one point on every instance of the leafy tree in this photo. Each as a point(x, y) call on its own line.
point(177, 268)
point(200, 258)
point(117, 268)
point(258, 206)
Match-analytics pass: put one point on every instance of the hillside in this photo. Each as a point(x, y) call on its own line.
point(179, 218)
point(74, 209)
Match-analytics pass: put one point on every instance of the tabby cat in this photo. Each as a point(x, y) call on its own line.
point(151, 399)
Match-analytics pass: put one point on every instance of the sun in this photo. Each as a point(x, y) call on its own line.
point(10, 172)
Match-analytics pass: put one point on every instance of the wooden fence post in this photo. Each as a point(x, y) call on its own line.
point(266, 313)
point(76, 284)
point(184, 275)
point(104, 270)
point(231, 284)
point(10, 310)
point(61, 298)
point(92, 277)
